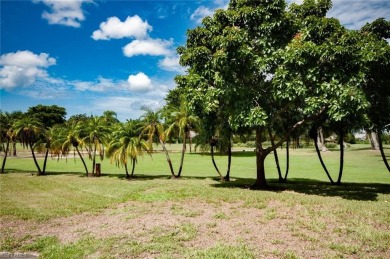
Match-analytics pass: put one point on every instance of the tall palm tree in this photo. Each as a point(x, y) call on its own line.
point(153, 128)
point(6, 134)
point(184, 122)
point(126, 143)
point(94, 133)
point(30, 131)
point(70, 138)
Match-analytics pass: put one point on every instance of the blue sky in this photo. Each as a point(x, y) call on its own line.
point(92, 55)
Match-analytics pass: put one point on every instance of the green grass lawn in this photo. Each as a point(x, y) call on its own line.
point(317, 219)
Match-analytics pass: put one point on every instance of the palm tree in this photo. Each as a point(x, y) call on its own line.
point(70, 138)
point(6, 134)
point(30, 131)
point(94, 133)
point(185, 122)
point(153, 128)
point(126, 143)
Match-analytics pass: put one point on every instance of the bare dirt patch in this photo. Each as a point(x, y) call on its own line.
point(270, 232)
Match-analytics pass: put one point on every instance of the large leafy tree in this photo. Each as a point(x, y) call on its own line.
point(49, 115)
point(269, 67)
point(376, 56)
point(230, 60)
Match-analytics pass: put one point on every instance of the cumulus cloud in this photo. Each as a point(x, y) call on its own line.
point(23, 68)
point(203, 11)
point(152, 47)
point(200, 13)
point(354, 14)
point(113, 28)
point(139, 82)
point(171, 63)
point(68, 13)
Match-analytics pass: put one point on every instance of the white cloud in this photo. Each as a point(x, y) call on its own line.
point(171, 64)
point(356, 13)
point(113, 28)
point(139, 82)
point(153, 47)
point(200, 13)
point(203, 11)
point(126, 107)
point(68, 13)
point(23, 68)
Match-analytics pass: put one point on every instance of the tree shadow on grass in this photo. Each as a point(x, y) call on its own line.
point(348, 191)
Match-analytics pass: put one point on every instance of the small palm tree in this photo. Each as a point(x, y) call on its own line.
point(6, 134)
point(184, 122)
point(70, 138)
point(30, 131)
point(126, 143)
point(94, 133)
point(153, 128)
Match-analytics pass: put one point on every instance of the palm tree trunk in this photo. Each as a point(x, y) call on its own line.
point(227, 176)
point(215, 165)
point(126, 171)
point(341, 136)
point(132, 170)
point(168, 158)
point(14, 148)
point(382, 151)
point(45, 161)
point(35, 159)
point(183, 151)
point(5, 157)
point(82, 160)
point(94, 160)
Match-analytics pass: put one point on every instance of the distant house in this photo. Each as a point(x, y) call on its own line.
point(361, 135)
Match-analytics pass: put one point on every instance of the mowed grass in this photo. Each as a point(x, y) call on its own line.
point(357, 213)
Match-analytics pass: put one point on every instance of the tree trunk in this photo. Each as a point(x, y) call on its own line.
point(287, 159)
point(82, 160)
point(190, 138)
point(372, 136)
point(35, 159)
point(227, 176)
point(341, 140)
point(215, 165)
point(168, 158)
point(14, 148)
point(5, 157)
point(321, 140)
point(94, 160)
point(382, 151)
point(45, 161)
point(272, 138)
point(322, 162)
point(127, 171)
point(182, 156)
point(132, 170)
point(261, 154)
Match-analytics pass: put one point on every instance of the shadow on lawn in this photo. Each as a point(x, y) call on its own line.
point(349, 191)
